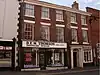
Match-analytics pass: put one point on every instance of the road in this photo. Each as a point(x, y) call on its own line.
point(91, 72)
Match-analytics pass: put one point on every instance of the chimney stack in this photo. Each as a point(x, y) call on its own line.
point(75, 5)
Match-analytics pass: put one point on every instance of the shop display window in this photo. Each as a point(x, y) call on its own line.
point(30, 58)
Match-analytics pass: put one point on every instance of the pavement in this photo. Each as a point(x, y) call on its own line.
point(52, 72)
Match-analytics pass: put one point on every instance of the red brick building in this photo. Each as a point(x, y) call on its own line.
point(95, 32)
point(53, 36)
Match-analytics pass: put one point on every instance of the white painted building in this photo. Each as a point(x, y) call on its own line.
point(8, 19)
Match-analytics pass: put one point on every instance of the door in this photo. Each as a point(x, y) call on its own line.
point(75, 59)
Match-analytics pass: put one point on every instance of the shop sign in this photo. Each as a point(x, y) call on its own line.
point(30, 44)
point(43, 44)
point(5, 48)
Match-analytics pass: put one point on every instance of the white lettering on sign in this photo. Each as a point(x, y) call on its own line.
point(43, 44)
point(5, 48)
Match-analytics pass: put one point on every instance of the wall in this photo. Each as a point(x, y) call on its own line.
point(8, 18)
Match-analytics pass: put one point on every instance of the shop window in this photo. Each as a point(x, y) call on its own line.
point(87, 56)
point(45, 33)
point(28, 31)
point(74, 35)
point(45, 12)
point(29, 10)
point(85, 36)
point(30, 58)
point(59, 15)
point(60, 34)
point(55, 58)
point(5, 57)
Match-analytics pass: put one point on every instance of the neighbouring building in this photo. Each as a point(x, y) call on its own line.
point(8, 30)
point(95, 33)
point(53, 36)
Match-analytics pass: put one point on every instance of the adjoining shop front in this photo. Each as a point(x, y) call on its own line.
point(81, 56)
point(39, 55)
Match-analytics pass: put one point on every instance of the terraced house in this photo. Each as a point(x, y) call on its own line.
point(53, 36)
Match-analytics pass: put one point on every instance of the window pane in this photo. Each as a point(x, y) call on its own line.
point(73, 17)
point(83, 19)
point(85, 36)
point(28, 30)
point(74, 35)
point(59, 15)
point(45, 32)
point(60, 34)
point(45, 12)
point(29, 10)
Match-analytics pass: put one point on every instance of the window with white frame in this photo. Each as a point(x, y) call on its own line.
point(59, 15)
point(83, 20)
point(28, 31)
point(85, 35)
point(74, 35)
point(60, 34)
point(45, 33)
point(45, 12)
point(29, 9)
point(73, 18)
point(87, 55)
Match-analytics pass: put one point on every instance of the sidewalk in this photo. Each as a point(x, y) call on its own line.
point(70, 70)
point(48, 72)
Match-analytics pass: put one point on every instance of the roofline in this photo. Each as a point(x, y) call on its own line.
point(56, 6)
point(92, 8)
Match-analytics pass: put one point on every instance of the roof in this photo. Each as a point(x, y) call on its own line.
point(55, 6)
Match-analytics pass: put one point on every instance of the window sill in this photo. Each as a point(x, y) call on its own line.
point(85, 43)
point(75, 43)
point(88, 61)
point(84, 24)
point(60, 20)
point(74, 22)
point(30, 16)
point(45, 18)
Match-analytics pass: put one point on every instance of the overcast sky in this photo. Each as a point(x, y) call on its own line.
point(82, 3)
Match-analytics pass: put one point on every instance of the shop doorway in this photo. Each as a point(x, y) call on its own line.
point(75, 59)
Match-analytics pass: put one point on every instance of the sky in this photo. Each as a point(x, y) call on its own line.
point(82, 3)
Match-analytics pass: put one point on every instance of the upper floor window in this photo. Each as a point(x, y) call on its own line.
point(73, 18)
point(83, 20)
point(28, 31)
point(45, 12)
point(59, 15)
point(60, 34)
point(74, 35)
point(29, 10)
point(85, 35)
point(45, 33)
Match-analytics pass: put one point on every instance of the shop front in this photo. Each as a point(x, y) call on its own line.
point(40, 55)
point(6, 55)
point(88, 56)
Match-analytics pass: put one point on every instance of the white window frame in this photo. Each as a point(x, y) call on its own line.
point(87, 42)
point(73, 15)
point(91, 60)
point(29, 8)
point(47, 37)
point(57, 33)
point(60, 14)
point(76, 42)
point(46, 11)
point(83, 20)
